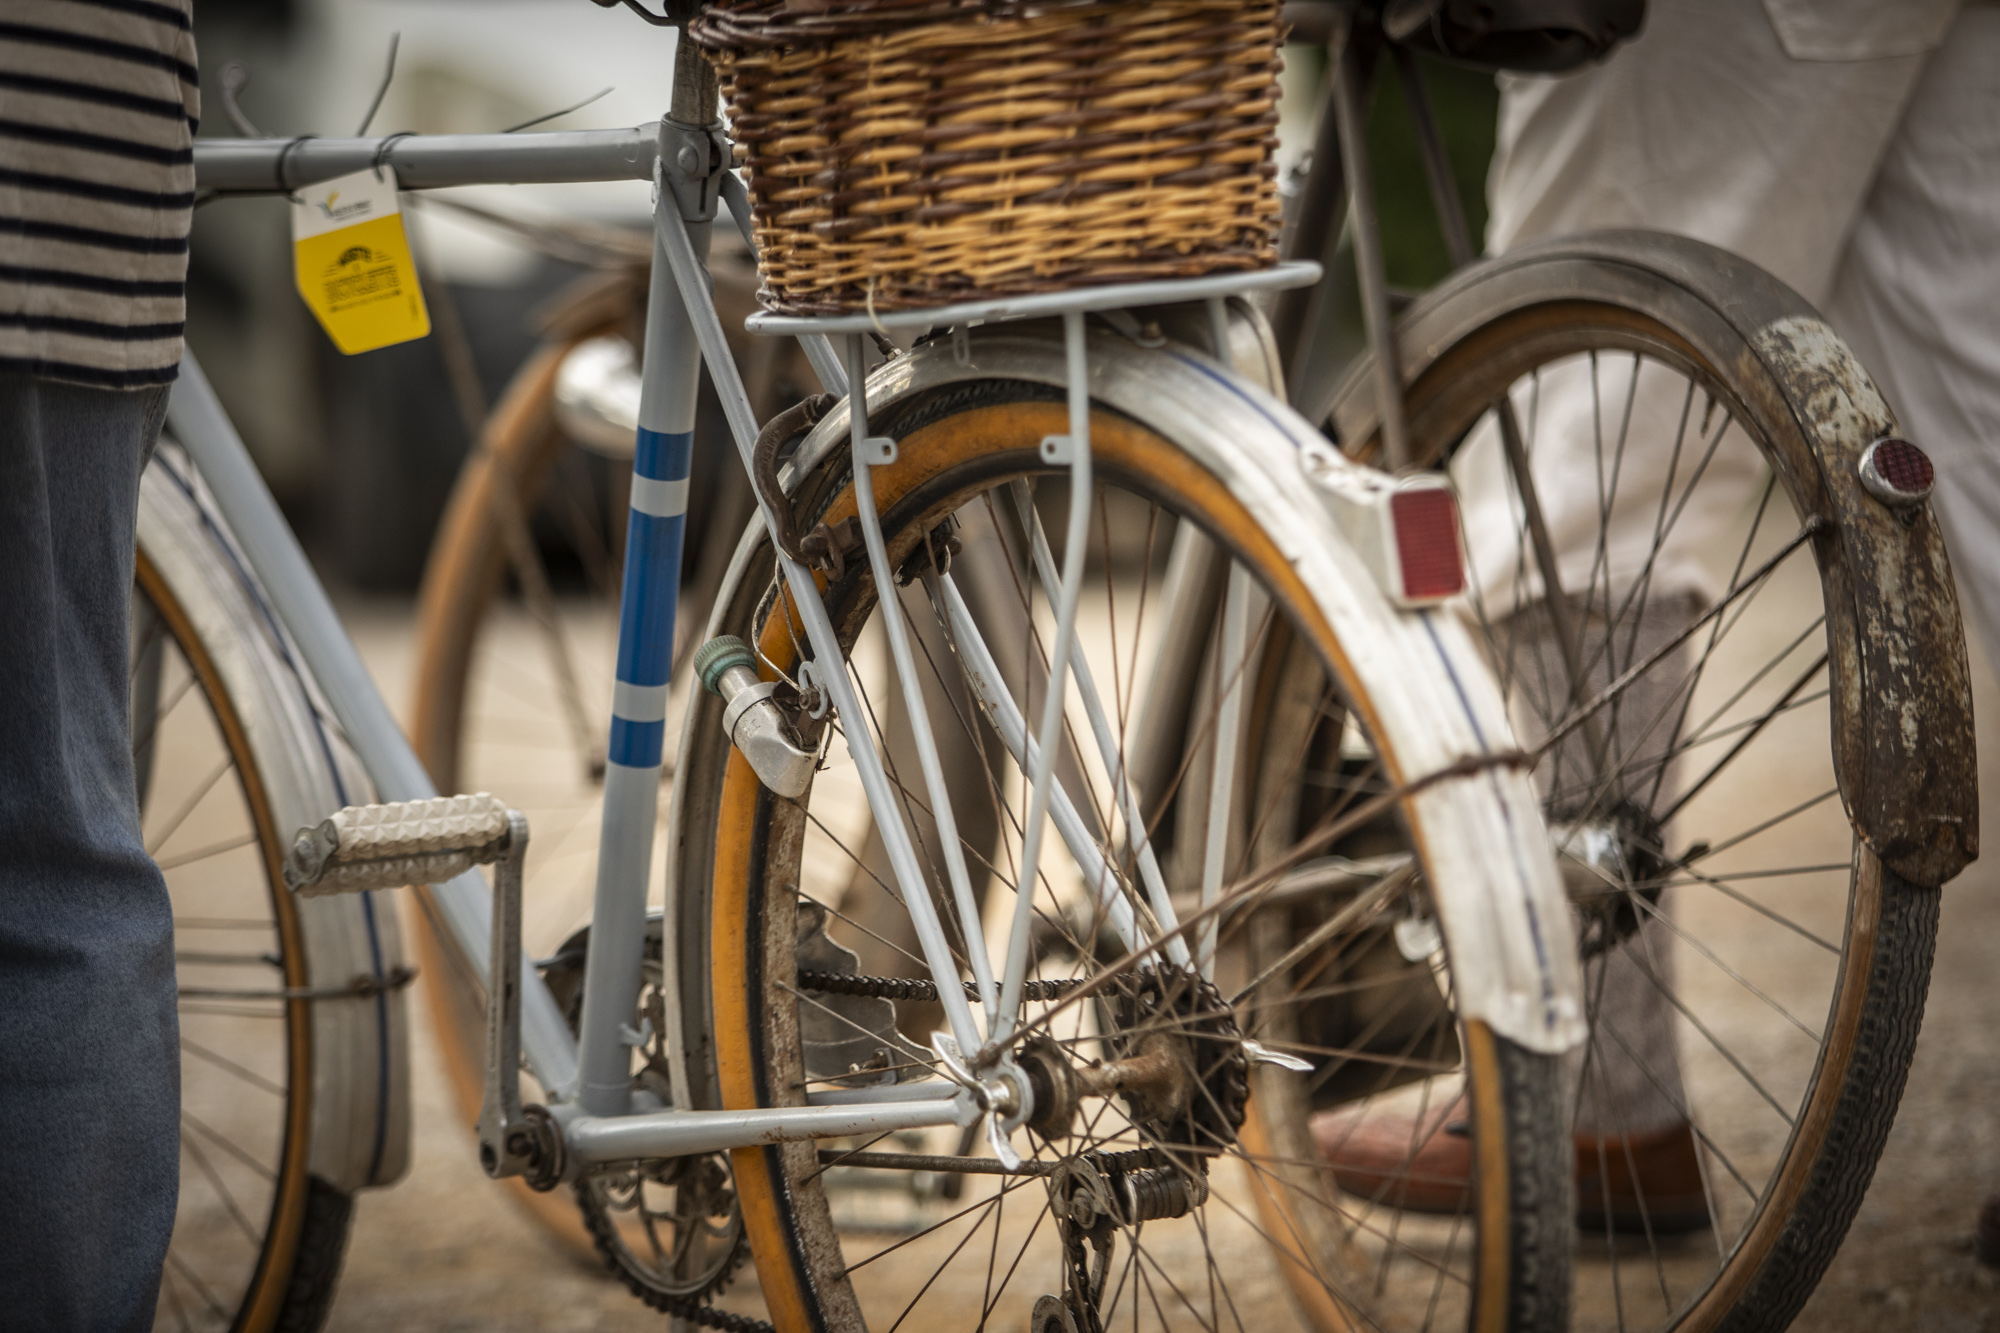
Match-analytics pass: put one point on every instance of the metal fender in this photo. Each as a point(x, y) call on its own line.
point(1902, 698)
point(360, 1044)
point(1439, 718)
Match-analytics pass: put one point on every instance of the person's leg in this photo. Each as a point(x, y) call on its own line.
point(1918, 297)
point(89, 1058)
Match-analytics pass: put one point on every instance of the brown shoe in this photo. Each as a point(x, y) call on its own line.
point(1654, 1182)
point(1383, 1157)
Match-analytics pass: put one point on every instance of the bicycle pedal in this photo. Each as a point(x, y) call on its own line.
point(387, 846)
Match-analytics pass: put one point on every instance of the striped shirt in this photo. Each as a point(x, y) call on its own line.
point(98, 105)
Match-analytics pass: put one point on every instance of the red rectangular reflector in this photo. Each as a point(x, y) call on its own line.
point(1427, 550)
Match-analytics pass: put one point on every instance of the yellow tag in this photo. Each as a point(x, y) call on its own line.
point(353, 262)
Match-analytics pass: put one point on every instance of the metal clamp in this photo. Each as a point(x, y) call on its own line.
point(691, 165)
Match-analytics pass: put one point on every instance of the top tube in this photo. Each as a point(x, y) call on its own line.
point(428, 161)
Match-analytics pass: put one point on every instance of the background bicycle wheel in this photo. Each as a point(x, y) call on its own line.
point(294, 1087)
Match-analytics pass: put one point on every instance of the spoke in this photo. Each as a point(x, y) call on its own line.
point(1695, 877)
point(224, 1063)
point(1716, 635)
point(1252, 889)
point(170, 1288)
point(1041, 1215)
point(1693, 743)
point(990, 1206)
point(1675, 1100)
point(228, 1200)
point(208, 1132)
point(161, 713)
point(1361, 1223)
point(1766, 826)
point(194, 957)
point(939, 1225)
point(1611, 691)
point(187, 806)
point(1363, 904)
point(1749, 736)
point(203, 853)
point(179, 1266)
point(1717, 714)
point(1646, 969)
point(1639, 900)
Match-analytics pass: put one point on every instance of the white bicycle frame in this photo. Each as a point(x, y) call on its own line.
point(1507, 973)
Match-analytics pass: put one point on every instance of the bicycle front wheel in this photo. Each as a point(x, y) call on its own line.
point(1695, 608)
point(1167, 1205)
point(293, 1085)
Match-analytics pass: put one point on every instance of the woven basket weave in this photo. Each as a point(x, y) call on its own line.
point(908, 153)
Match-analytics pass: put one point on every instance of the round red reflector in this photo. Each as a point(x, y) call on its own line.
point(1896, 472)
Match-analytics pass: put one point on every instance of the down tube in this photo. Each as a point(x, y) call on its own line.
point(669, 384)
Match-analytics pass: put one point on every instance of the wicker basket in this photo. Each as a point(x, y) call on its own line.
point(908, 153)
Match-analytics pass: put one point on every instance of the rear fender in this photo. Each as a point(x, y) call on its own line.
point(1439, 719)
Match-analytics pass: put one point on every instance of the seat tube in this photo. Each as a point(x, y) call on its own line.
point(670, 380)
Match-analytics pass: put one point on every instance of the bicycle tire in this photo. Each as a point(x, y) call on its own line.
point(743, 866)
point(1795, 411)
point(273, 1144)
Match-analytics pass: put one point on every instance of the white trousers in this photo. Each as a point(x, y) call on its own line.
point(1851, 148)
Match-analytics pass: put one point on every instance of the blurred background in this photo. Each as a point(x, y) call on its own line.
point(362, 450)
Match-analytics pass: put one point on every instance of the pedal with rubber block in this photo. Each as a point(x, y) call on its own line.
point(364, 847)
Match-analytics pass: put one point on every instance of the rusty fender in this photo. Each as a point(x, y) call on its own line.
point(1901, 693)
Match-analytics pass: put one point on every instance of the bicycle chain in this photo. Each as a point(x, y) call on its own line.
point(683, 1307)
point(910, 988)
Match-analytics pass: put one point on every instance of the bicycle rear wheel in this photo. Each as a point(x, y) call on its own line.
point(1752, 849)
point(1196, 1207)
point(290, 1014)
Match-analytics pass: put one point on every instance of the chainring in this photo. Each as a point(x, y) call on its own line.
point(705, 1180)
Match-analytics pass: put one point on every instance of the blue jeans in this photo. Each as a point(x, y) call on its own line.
point(89, 1041)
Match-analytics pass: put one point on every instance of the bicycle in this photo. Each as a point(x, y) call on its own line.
point(1550, 1172)
point(1412, 704)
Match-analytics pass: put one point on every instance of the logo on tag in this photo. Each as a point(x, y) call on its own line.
point(352, 262)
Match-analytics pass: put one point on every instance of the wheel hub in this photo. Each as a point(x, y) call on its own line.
point(1610, 865)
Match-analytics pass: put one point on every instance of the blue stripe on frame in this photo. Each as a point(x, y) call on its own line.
point(650, 597)
point(663, 457)
point(637, 744)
